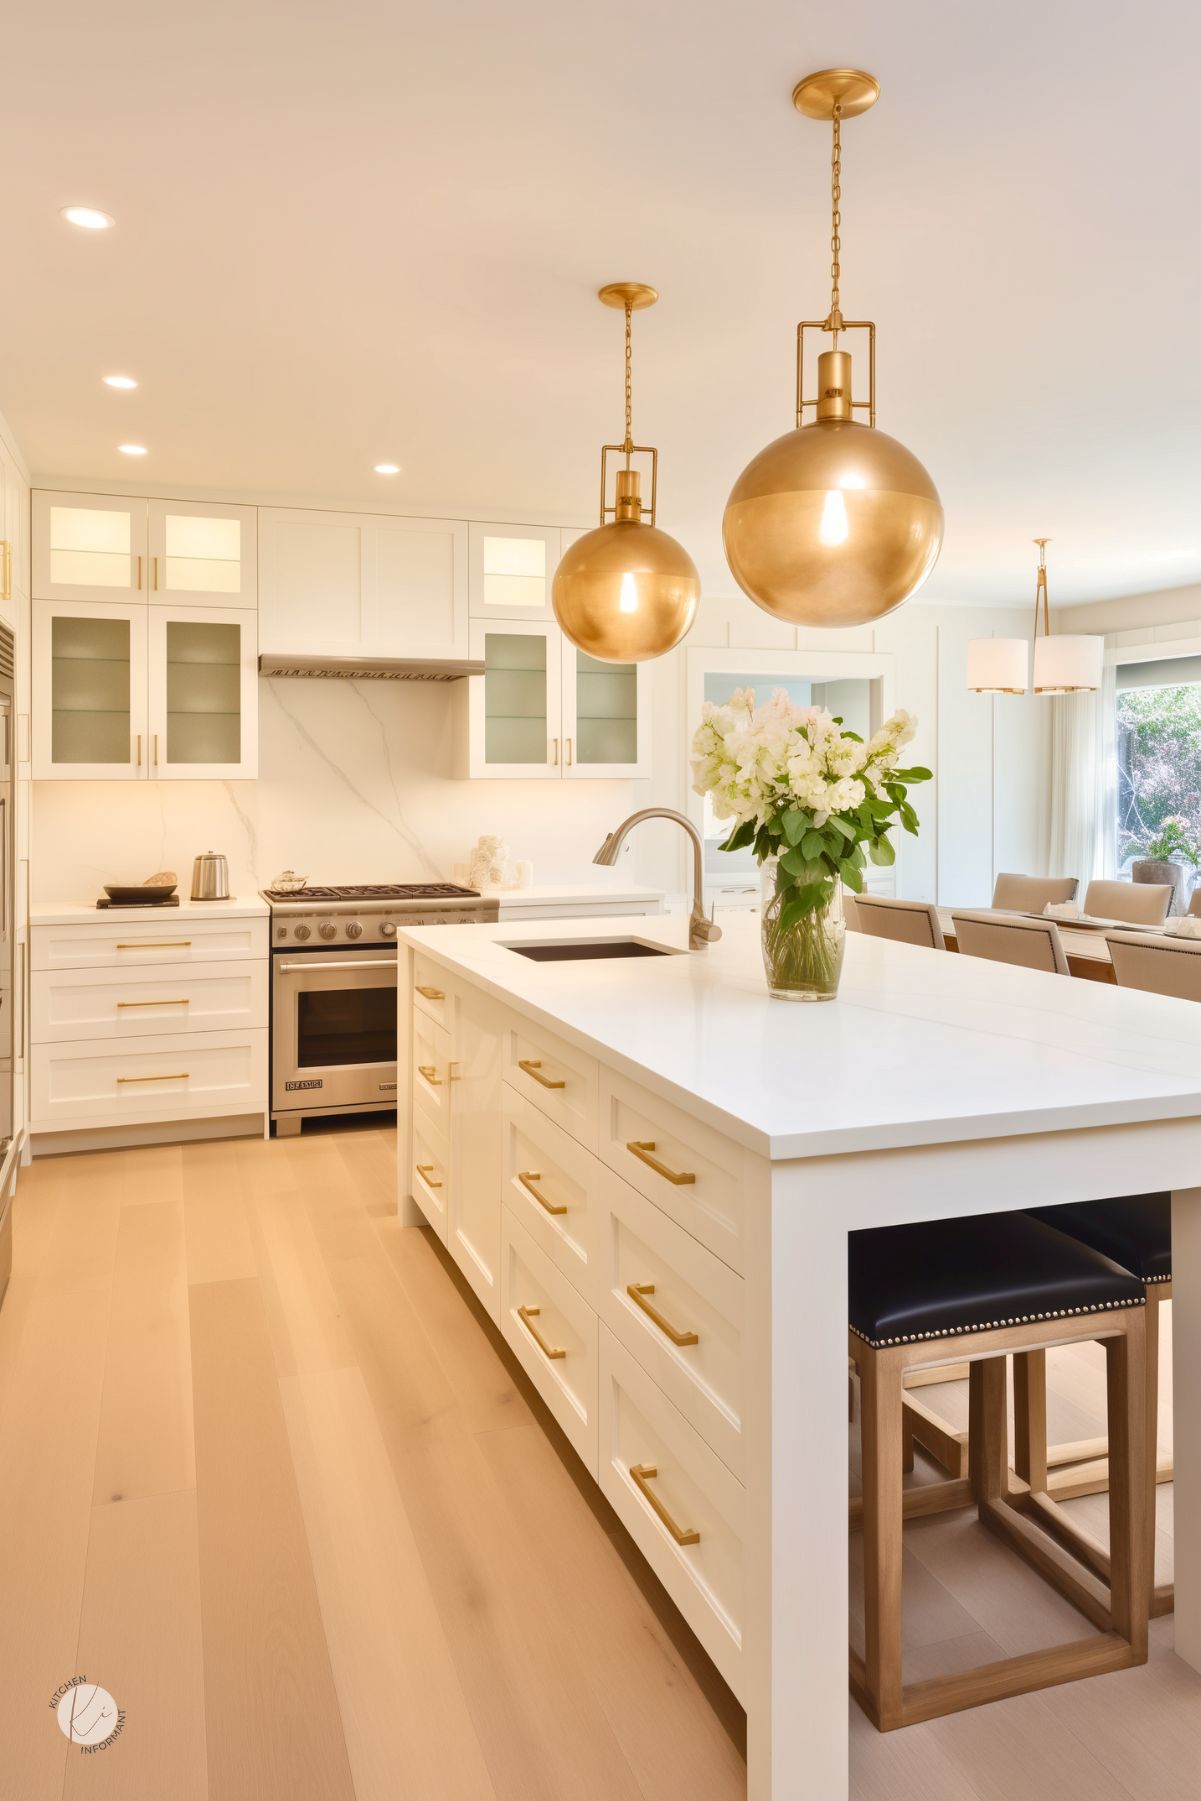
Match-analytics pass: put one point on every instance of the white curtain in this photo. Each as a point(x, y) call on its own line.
point(1083, 783)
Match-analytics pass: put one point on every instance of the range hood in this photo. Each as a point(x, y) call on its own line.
point(369, 669)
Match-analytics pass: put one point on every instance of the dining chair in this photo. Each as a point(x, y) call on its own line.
point(905, 922)
point(1158, 965)
point(1031, 893)
point(850, 913)
point(1032, 943)
point(1194, 906)
point(1137, 903)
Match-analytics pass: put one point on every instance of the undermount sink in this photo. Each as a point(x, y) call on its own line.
point(586, 950)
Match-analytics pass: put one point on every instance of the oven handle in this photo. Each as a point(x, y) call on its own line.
point(291, 969)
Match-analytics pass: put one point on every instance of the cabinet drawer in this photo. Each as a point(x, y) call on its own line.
point(678, 1309)
point(561, 1081)
point(198, 1075)
point(684, 1167)
point(431, 1069)
point(429, 1178)
point(128, 944)
point(678, 1501)
point(550, 1183)
point(429, 991)
point(553, 1331)
point(139, 1002)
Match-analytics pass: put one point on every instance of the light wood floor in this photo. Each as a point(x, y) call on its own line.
point(268, 1475)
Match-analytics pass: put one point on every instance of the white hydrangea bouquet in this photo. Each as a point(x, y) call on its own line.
point(814, 801)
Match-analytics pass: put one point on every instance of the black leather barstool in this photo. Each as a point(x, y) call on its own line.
point(1135, 1231)
point(979, 1289)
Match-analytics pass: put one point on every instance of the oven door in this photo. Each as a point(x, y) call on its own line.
point(333, 1040)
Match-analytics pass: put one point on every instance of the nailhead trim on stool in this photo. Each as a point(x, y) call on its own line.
point(995, 1325)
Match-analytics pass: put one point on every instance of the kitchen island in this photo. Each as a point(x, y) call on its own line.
point(646, 1168)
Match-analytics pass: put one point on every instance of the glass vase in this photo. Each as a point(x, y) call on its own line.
point(803, 960)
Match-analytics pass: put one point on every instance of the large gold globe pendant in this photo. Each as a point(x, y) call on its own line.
point(833, 524)
point(626, 592)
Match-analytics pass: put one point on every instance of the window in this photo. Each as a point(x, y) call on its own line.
point(1158, 738)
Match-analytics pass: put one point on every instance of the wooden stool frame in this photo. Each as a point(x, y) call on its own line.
point(1117, 1606)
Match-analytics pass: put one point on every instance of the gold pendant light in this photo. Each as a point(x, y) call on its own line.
point(626, 591)
point(1064, 662)
point(834, 523)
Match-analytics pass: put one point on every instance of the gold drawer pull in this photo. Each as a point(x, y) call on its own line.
point(527, 1316)
point(425, 1170)
point(180, 1076)
point(430, 1072)
point(431, 994)
point(533, 1067)
point(180, 1003)
point(527, 1178)
point(642, 1150)
point(643, 1474)
point(637, 1292)
point(158, 944)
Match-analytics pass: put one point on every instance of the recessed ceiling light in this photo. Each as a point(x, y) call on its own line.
point(132, 450)
point(88, 217)
point(119, 381)
point(387, 468)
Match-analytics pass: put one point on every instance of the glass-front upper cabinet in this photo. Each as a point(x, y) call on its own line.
point(88, 547)
point(203, 694)
point(202, 555)
point(605, 716)
point(515, 726)
point(89, 691)
point(511, 570)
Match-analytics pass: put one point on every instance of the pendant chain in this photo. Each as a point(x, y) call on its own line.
point(834, 322)
point(629, 443)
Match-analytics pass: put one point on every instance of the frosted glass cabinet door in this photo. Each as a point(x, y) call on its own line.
point(203, 694)
point(89, 692)
point(512, 567)
point(202, 555)
point(88, 547)
point(605, 717)
point(515, 725)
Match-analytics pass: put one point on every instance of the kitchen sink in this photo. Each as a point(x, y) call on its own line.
point(587, 950)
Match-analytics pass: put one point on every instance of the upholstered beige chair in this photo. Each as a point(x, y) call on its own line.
point(1032, 943)
point(1194, 905)
point(1031, 893)
point(1140, 903)
point(906, 922)
point(1160, 965)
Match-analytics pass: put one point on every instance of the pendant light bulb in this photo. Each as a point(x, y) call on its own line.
point(834, 523)
point(627, 591)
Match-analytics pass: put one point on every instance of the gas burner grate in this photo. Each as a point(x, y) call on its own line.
point(399, 891)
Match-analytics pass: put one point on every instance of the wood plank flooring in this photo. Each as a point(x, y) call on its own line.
point(268, 1475)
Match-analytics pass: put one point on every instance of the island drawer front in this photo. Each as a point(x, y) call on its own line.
point(127, 944)
point(430, 994)
point(711, 1206)
point(429, 1178)
point(431, 1069)
point(544, 1168)
point(136, 1003)
point(640, 1429)
point(561, 1081)
point(693, 1293)
point(558, 1315)
point(89, 1083)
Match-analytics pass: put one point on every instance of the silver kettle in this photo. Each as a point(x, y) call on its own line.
point(210, 877)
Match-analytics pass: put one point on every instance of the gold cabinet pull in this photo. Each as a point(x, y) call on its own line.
point(138, 765)
point(533, 1067)
point(158, 944)
point(642, 1475)
point(430, 1072)
point(431, 994)
point(527, 1316)
point(184, 1002)
point(527, 1178)
point(425, 1171)
point(180, 1075)
point(643, 1149)
point(154, 573)
point(638, 1292)
point(155, 750)
point(138, 583)
point(554, 761)
point(567, 749)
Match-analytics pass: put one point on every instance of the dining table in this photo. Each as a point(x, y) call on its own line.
point(1083, 946)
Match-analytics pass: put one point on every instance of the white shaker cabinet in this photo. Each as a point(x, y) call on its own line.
point(202, 554)
point(203, 702)
point(362, 584)
point(89, 547)
point(512, 568)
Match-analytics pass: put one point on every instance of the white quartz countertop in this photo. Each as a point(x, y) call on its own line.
point(920, 1047)
point(543, 894)
point(62, 913)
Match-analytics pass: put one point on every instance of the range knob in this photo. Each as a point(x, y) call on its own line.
point(302, 932)
point(328, 929)
point(354, 929)
point(387, 928)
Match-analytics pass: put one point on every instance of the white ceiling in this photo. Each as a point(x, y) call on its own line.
point(373, 230)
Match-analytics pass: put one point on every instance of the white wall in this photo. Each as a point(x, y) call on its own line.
point(354, 782)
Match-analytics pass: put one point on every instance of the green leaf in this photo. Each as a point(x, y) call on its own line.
point(796, 823)
point(741, 836)
point(813, 844)
point(794, 861)
point(916, 774)
point(851, 877)
point(776, 827)
point(841, 825)
point(908, 818)
point(883, 853)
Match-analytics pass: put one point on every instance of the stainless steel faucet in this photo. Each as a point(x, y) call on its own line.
point(702, 930)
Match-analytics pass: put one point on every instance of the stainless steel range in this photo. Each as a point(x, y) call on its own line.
point(333, 991)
